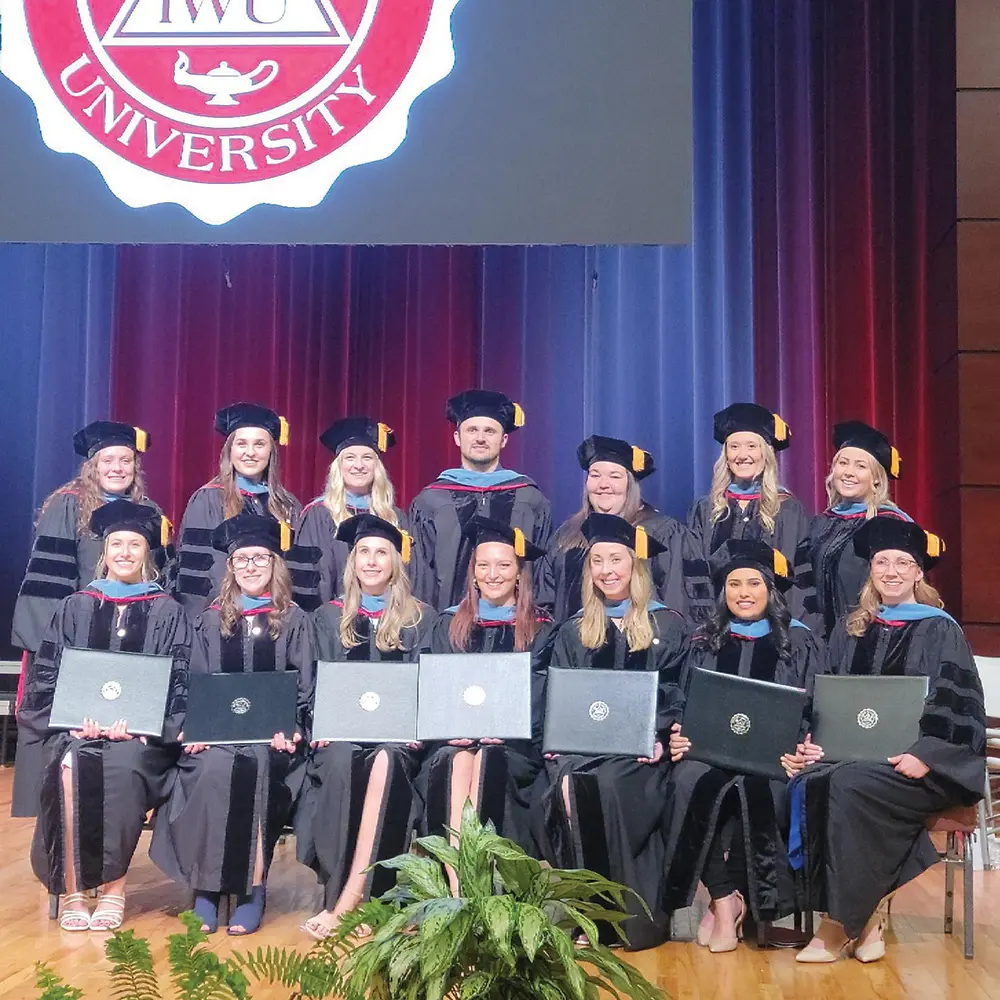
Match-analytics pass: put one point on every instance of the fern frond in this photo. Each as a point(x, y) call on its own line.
point(53, 987)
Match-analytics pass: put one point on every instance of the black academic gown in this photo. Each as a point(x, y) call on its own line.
point(316, 561)
point(863, 831)
point(200, 567)
point(115, 783)
point(829, 573)
point(703, 796)
point(437, 514)
point(328, 813)
point(617, 804)
point(227, 798)
point(507, 771)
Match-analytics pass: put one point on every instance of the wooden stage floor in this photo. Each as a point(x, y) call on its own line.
point(922, 962)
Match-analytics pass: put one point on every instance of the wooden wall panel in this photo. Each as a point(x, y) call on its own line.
point(978, 152)
point(977, 31)
point(979, 421)
point(980, 555)
point(978, 286)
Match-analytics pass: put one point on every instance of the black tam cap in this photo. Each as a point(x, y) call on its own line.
point(612, 528)
point(604, 449)
point(124, 515)
point(754, 418)
point(888, 532)
point(357, 430)
point(89, 440)
point(855, 434)
point(747, 553)
point(370, 526)
point(232, 418)
point(245, 530)
point(484, 529)
point(485, 403)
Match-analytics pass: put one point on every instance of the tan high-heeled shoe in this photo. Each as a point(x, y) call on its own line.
point(705, 926)
point(818, 953)
point(725, 939)
point(870, 947)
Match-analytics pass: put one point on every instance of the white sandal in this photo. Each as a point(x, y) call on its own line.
point(74, 920)
point(111, 917)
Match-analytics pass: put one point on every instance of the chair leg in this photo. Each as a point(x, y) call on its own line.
point(53, 906)
point(810, 923)
point(968, 926)
point(949, 885)
point(984, 844)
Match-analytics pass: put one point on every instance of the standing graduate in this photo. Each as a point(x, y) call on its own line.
point(746, 500)
point(614, 470)
point(863, 832)
point(249, 481)
point(357, 803)
point(497, 614)
point(98, 784)
point(483, 420)
point(605, 812)
point(725, 829)
point(229, 803)
point(356, 483)
point(65, 552)
point(831, 573)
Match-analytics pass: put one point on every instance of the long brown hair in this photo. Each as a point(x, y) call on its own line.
point(87, 486)
point(870, 600)
point(231, 611)
point(770, 495)
point(633, 510)
point(636, 625)
point(402, 609)
point(280, 502)
point(526, 624)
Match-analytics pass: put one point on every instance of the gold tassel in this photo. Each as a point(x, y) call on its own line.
point(285, 542)
point(141, 439)
point(935, 545)
point(407, 545)
point(894, 464)
point(780, 564)
point(384, 430)
point(641, 542)
point(638, 459)
point(780, 429)
point(165, 527)
point(518, 415)
point(519, 547)
point(282, 431)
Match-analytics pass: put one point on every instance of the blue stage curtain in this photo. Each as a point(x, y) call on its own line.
point(55, 350)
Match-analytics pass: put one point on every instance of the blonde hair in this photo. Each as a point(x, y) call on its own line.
point(280, 502)
point(383, 495)
point(87, 486)
point(636, 625)
point(402, 609)
point(150, 574)
point(570, 535)
point(280, 589)
point(879, 498)
point(770, 496)
point(870, 600)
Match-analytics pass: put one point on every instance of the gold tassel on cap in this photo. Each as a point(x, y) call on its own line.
point(165, 527)
point(282, 431)
point(141, 439)
point(935, 545)
point(894, 464)
point(518, 415)
point(384, 430)
point(641, 542)
point(780, 564)
point(638, 459)
point(407, 545)
point(780, 429)
point(285, 542)
point(519, 547)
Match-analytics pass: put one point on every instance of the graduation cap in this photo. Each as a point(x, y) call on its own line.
point(485, 403)
point(856, 434)
point(754, 418)
point(124, 515)
point(369, 526)
point(484, 529)
point(598, 448)
point(887, 532)
point(357, 430)
point(612, 528)
point(750, 553)
point(89, 440)
point(232, 418)
point(246, 530)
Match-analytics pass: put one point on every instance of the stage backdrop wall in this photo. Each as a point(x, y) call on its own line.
point(803, 288)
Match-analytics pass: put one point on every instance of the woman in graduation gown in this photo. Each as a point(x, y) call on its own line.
point(863, 829)
point(65, 552)
point(98, 784)
point(496, 615)
point(249, 481)
point(614, 470)
point(831, 574)
point(230, 803)
point(356, 483)
point(746, 500)
point(357, 802)
point(725, 829)
point(605, 812)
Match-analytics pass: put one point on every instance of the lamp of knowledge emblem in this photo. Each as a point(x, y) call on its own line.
point(740, 724)
point(240, 706)
point(868, 718)
point(111, 691)
point(219, 105)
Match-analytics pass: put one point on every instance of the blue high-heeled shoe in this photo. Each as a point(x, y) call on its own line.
point(248, 913)
point(206, 906)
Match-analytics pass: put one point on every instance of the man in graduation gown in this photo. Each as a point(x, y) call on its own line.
point(483, 420)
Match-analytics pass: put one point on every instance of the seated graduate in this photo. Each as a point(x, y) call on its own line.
point(831, 574)
point(728, 830)
point(229, 803)
point(746, 500)
point(605, 812)
point(356, 483)
point(614, 470)
point(865, 822)
point(249, 481)
point(496, 615)
point(65, 552)
point(483, 420)
point(357, 801)
point(98, 784)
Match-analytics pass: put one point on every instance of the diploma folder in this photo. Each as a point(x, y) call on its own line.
point(365, 702)
point(241, 708)
point(742, 724)
point(598, 712)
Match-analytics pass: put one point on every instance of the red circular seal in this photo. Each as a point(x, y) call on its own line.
point(223, 104)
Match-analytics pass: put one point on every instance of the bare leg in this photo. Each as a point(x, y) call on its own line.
point(71, 903)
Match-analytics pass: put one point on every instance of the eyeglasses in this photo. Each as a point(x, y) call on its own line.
point(260, 560)
point(883, 565)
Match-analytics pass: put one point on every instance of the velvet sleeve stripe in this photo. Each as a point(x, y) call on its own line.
point(52, 545)
point(49, 589)
point(197, 561)
point(200, 586)
point(40, 566)
point(197, 536)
